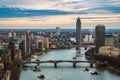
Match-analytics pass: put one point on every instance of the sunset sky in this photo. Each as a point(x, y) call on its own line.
point(45, 14)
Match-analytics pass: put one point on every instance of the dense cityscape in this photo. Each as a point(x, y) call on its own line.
point(19, 47)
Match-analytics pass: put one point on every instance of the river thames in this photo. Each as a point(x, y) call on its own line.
point(65, 71)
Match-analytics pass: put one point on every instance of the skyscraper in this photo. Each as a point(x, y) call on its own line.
point(57, 30)
point(78, 31)
point(27, 42)
point(100, 37)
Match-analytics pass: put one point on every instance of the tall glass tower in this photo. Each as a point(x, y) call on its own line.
point(78, 31)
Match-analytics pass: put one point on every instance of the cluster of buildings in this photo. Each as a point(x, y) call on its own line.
point(106, 44)
point(9, 50)
point(59, 40)
point(109, 51)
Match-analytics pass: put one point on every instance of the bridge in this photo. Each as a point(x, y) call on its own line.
point(55, 62)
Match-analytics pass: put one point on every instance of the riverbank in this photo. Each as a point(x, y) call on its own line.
point(114, 69)
point(90, 55)
point(40, 53)
point(16, 76)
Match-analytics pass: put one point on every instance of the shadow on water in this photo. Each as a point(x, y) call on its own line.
point(114, 70)
point(29, 67)
point(109, 69)
point(101, 69)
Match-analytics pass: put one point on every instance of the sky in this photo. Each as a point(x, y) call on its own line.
point(47, 14)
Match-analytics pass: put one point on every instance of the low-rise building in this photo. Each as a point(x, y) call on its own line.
point(88, 39)
point(109, 51)
point(109, 40)
point(112, 40)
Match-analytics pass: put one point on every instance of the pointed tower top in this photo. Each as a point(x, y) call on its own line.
point(78, 19)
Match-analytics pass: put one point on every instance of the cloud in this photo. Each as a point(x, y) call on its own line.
point(10, 12)
point(7, 12)
point(54, 12)
point(66, 5)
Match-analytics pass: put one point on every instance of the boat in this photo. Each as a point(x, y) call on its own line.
point(94, 73)
point(85, 69)
point(36, 68)
point(41, 76)
point(78, 53)
point(74, 57)
point(37, 60)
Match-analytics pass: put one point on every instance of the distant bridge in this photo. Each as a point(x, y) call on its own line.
point(28, 55)
point(55, 62)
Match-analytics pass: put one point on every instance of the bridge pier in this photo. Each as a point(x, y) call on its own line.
point(55, 65)
point(74, 65)
point(38, 64)
point(91, 65)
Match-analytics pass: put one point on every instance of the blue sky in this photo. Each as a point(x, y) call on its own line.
point(62, 13)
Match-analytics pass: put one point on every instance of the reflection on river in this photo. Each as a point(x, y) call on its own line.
point(65, 71)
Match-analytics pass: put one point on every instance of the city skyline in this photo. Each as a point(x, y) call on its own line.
point(47, 14)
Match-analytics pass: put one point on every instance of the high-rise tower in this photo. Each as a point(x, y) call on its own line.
point(78, 31)
point(57, 30)
point(27, 42)
point(100, 37)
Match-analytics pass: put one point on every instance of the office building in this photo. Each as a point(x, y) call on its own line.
point(109, 40)
point(46, 43)
point(39, 42)
point(88, 39)
point(100, 36)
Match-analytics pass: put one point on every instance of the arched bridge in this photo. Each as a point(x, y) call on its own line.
point(55, 62)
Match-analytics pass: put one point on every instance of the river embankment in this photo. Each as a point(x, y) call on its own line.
point(113, 63)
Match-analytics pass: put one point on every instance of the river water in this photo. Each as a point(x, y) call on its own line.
point(65, 71)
